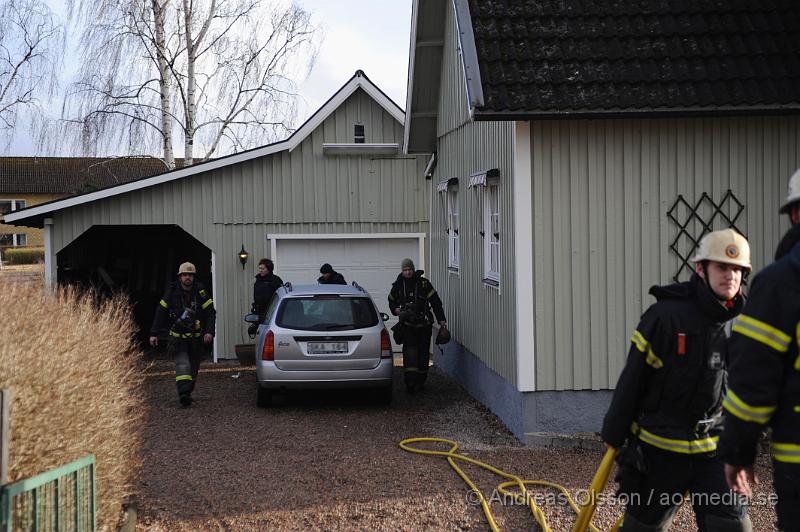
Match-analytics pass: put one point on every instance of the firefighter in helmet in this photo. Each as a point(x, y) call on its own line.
point(764, 375)
point(412, 298)
point(668, 400)
point(189, 311)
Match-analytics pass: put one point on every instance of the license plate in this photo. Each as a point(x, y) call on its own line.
point(327, 348)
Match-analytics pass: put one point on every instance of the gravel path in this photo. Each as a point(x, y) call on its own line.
point(330, 460)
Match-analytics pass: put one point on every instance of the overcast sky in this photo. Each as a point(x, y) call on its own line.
point(371, 35)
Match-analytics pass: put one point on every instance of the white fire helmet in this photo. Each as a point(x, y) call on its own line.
point(187, 267)
point(725, 246)
point(794, 192)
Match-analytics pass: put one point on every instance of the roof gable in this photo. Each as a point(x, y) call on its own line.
point(358, 81)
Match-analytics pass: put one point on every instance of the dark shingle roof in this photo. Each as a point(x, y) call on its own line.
point(593, 55)
point(73, 175)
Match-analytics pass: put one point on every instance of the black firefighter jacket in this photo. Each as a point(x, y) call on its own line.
point(764, 376)
point(673, 383)
point(419, 291)
point(172, 306)
point(336, 278)
point(264, 288)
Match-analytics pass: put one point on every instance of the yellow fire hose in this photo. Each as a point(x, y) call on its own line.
point(584, 514)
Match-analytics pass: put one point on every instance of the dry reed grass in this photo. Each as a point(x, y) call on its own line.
point(72, 368)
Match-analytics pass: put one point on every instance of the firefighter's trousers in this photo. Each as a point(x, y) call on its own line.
point(786, 477)
point(187, 354)
point(416, 355)
point(657, 494)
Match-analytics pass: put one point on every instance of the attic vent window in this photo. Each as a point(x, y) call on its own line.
point(359, 134)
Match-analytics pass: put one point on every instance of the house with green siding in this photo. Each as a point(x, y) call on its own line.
point(582, 149)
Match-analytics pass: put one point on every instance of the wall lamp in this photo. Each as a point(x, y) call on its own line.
point(243, 256)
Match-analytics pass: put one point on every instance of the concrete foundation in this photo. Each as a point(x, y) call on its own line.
point(545, 418)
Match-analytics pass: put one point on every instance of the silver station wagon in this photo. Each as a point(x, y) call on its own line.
point(322, 336)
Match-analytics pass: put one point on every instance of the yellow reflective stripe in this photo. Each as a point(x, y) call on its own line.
point(644, 346)
point(183, 378)
point(639, 341)
point(786, 452)
point(704, 445)
point(758, 414)
point(797, 363)
point(185, 335)
point(163, 304)
point(207, 303)
point(652, 359)
point(797, 409)
point(762, 332)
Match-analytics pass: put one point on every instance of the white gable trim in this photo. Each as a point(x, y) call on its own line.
point(358, 81)
point(354, 148)
point(469, 56)
point(412, 52)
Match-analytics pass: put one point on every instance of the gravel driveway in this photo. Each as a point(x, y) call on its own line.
point(330, 460)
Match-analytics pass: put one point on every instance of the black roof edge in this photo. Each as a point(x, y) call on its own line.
point(635, 113)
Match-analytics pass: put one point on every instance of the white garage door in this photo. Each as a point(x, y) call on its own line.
point(373, 263)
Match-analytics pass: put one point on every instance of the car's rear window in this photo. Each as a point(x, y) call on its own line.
point(327, 313)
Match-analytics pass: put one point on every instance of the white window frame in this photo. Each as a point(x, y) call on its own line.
point(17, 237)
point(491, 233)
point(453, 229)
point(14, 203)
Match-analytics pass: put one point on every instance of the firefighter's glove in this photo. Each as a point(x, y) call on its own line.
point(252, 330)
point(398, 333)
point(631, 468)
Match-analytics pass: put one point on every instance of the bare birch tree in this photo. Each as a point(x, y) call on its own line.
point(31, 44)
point(216, 74)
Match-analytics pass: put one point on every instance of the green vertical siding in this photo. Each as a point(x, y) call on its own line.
point(601, 191)
point(482, 318)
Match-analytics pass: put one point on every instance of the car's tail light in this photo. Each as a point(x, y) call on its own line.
point(268, 351)
point(386, 344)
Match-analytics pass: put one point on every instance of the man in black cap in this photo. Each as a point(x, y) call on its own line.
point(330, 276)
point(412, 298)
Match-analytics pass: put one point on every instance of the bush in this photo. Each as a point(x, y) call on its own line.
point(30, 255)
point(71, 364)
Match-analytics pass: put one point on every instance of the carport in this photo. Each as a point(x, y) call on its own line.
point(138, 260)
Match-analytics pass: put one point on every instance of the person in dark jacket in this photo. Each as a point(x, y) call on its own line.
point(764, 375)
point(330, 276)
point(668, 400)
point(412, 298)
point(264, 288)
point(188, 310)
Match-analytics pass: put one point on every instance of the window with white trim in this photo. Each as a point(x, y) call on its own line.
point(491, 233)
point(9, 205)
point(453, 228)
point(13, 239)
